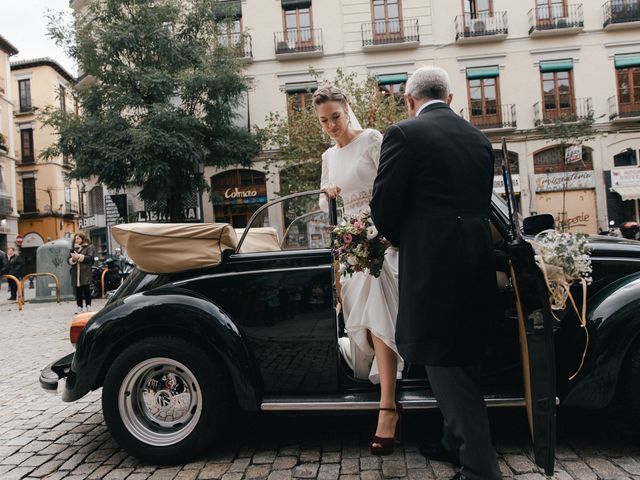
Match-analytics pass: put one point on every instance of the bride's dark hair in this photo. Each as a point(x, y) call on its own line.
point(329, 93)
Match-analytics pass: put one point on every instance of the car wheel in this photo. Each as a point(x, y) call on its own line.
point(165, 401)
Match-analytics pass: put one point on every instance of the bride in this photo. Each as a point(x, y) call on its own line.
point(370, 305)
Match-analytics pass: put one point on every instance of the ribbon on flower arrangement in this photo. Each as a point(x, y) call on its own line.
point(559, 282)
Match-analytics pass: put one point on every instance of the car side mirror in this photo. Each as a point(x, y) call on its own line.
point(538, 223)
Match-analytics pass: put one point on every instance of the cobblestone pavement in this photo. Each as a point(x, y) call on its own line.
point(42, 437)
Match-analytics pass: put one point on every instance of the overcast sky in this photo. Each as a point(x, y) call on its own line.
point(24, 26)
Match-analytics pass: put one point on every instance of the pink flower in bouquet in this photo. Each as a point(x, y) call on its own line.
point(358, 224)
point(347, 239)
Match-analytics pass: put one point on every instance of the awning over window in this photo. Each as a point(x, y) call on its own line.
point(483, 72)
point(293, 4)
point(556, 65)
point(628, 193)
point(301, 87)
point(393, 78)
point(629, 60)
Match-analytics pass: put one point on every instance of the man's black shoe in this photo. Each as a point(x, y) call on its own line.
point(439, 453)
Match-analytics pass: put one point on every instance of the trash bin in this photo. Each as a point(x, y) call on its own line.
point(52, 258)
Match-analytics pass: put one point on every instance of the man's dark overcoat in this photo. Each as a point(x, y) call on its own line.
point(431, 198)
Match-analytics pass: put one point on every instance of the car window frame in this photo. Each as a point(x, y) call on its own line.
point(333, 215)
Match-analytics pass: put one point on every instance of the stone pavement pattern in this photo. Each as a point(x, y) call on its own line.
point(42, 437)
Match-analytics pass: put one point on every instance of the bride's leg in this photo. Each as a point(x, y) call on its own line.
point(387, 366)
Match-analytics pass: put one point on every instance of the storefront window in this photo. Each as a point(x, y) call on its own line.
point(236, 195)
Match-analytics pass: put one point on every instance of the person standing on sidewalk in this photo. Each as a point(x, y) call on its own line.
point(81, 259)
point(3, 264)
point(13, 267)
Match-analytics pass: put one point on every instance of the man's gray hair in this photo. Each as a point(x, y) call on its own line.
point(429, 83)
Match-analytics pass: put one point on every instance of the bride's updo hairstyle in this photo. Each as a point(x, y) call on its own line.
point(329, 93)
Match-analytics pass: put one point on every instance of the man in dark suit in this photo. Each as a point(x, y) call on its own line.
point(431, 198)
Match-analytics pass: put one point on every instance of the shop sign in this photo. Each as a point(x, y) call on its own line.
point(31, 240)
point(557, 182)
point(573, 154)
point(629, 177)
point(191, 214)
point(88, 222)
point(111, 210)
point(237, 193)
point(498, 184)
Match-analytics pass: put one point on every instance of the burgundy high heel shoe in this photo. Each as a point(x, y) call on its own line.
point(386, 445)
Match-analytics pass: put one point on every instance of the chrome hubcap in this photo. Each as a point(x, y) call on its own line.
point(160, 401)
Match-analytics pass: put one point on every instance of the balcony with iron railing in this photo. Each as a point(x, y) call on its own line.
point(578, 109)
point(623, 111)
point(556, 20)
point(621, 14)
point(495, 117)
point(239, 43)
point(481, 27)
point(390, 34)
point(298, 43)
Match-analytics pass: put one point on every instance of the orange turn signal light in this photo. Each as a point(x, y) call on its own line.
point(77, 325)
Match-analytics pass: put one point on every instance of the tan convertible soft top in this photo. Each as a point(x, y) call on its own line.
point(173, 247)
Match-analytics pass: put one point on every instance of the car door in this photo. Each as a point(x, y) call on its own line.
point(535, 327)
point(279, 292)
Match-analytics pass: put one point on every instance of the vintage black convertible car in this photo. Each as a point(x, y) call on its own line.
point(181, 344)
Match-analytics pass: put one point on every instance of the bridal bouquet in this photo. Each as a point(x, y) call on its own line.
point(357, 245)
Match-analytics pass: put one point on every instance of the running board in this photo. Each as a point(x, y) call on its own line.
point(353, 403)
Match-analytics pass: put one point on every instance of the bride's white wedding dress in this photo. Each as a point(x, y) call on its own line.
point(368, 303)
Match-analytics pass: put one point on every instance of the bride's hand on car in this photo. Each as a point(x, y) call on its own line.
point(331, 190)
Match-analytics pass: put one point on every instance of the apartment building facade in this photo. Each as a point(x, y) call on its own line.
point(8, 206)
point(47, 198)
point(514, 67)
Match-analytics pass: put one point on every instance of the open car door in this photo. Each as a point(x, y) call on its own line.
point(535, 327)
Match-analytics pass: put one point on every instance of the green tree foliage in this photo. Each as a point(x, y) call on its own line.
point(159, 100)
point(300, 142)
point(570, 130)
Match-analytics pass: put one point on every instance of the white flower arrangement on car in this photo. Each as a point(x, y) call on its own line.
point(564, 260)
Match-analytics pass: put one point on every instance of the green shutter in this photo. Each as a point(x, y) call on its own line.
point(556, 65)
point(293, 4)
point(626, 61)
point(389, 79)
point(484, 72)
point(301, 87)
